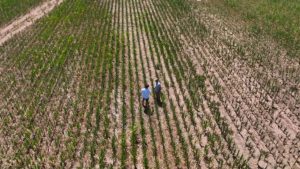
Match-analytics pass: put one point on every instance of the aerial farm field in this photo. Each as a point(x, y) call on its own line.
point(71, 80)
point(10, 9)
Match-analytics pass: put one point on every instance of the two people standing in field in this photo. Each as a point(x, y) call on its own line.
point(146, 92)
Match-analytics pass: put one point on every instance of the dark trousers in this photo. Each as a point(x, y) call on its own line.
point(147, 102)
point(157, 96)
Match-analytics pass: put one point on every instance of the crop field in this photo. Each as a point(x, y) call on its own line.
point(280, 19)
point(70, 90)
point(10, 9)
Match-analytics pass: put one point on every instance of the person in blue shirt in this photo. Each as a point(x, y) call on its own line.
point(146, 95)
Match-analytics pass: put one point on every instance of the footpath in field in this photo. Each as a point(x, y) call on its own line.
point(8, 31)
point(70, 93)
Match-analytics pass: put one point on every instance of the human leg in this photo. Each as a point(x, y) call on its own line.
point(143, 102)
point(147, 102)
point(158, 97)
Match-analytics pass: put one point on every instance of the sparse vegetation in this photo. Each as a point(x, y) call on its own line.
point(70, 92)
point(10, 9)
point(280, 19)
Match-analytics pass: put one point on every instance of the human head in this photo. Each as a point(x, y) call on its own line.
point(146, 85)
point(156, 80)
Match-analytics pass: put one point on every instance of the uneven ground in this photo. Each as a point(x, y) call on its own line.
point(70, 91)
point(278, 19)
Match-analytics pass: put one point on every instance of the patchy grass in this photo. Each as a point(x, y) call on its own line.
point(280, 19)
point(10, 9)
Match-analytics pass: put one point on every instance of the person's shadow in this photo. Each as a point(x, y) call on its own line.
point(159, 103)
point(148, 111)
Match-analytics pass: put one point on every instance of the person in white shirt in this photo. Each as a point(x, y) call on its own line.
point(157, 90)
point(146, 95)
